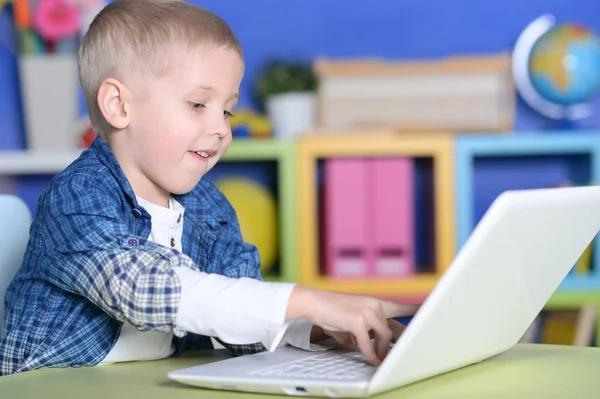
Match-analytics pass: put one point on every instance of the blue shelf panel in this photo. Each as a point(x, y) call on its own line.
point(492, 175)
point(486, 165)
point(470, 147)
point(524, 143)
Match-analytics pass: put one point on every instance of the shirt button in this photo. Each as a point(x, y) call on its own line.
point(137, 213)
point(172, 241)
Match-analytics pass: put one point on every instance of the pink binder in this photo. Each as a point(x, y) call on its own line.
point(347, 221)
point(392, 218)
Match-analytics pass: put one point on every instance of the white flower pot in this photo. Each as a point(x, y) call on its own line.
point(49, 84)
point(291, 114)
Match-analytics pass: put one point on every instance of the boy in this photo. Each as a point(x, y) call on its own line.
point(131, 255)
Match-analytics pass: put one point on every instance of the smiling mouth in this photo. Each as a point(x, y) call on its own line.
point(204, 154)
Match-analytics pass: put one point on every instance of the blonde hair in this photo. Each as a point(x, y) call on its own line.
point(137, 39)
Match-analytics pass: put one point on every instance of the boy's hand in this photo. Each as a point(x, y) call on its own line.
point(348, 341)
point(351, 319)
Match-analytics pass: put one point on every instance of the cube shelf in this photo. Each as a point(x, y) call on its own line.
point(283, 153)
point(582, 146)
point(574, 148)
point(323, 145)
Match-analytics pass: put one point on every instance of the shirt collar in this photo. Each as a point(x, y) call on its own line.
point(204, 206)
point(108, 159)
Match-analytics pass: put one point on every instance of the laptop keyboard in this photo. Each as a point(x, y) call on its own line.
point(327, 365)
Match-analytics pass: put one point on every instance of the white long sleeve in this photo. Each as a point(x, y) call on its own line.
point(239, 310)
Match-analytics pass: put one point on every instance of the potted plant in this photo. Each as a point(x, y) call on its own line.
point(286, 91)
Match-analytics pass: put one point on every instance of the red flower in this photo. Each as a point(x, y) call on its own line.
point(56, 19)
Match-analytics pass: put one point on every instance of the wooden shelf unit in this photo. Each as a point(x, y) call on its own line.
point(469, 147)
point(284, 153)
point(321, 145)
point(575, 291)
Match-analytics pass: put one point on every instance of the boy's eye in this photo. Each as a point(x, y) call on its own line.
point(195, 106)
point(228, 115)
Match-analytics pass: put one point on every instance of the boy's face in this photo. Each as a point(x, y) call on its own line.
point(179, 128)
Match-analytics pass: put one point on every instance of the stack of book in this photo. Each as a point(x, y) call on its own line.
point(474, 93)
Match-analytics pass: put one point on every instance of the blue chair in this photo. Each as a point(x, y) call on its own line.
point(15, 220)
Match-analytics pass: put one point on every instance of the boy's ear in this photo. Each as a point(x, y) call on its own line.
point(112, 101)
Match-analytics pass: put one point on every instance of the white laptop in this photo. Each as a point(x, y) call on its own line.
point(502, 277)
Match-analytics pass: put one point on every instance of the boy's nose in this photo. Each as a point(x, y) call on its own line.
point(220, 127)
point(221, 132)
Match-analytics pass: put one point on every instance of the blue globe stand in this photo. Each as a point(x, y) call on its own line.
point(566, 124)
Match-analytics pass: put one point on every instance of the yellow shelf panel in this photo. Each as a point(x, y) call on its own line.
point(414, 286)
point(376, 143)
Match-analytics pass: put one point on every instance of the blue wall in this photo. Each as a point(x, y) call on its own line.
point(11, 120)
point(399, 29)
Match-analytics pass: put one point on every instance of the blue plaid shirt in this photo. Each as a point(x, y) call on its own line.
point(89, 267)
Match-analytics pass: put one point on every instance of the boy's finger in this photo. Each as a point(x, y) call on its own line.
point(354, 341)
point(383, 336)
point(364, 343)
point(397, 329)
point(345, 339)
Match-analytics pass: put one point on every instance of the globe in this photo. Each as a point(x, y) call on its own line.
point(564, 67)
point(557, 68)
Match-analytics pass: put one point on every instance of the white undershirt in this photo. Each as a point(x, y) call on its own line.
point(237, 310)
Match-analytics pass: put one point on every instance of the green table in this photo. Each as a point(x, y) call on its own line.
point(526, 371)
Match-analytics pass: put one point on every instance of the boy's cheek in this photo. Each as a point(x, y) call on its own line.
point(225, 145)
